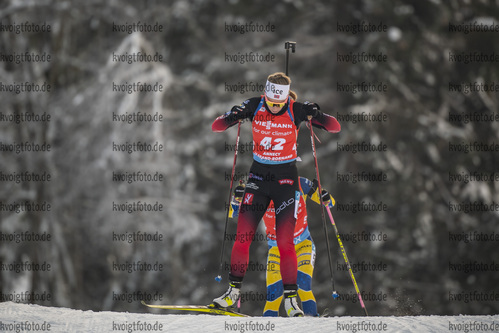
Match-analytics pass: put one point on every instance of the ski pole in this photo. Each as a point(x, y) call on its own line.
point(335, 294)
point(352, 277)
point(219, 276)
point(287, 46)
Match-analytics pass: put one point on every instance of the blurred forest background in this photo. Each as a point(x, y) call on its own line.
point(418, 224)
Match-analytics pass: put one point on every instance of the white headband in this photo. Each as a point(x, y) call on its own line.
point(276, 91)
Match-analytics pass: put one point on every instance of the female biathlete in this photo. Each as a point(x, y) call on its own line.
point(304, 245)
point(275, 120)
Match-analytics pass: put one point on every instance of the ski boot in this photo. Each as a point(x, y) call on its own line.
point(231, 296)
point(291, 302)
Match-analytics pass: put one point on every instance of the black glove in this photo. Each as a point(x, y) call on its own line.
point(327, 199)
point(239, 191)
point(325, 196)
point(315, 185)
point(312, 109)
point(237, 112)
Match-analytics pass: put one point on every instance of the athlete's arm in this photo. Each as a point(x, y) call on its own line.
point(319, 119)
point(236, 114)
point(313, 193)
point(307, 186)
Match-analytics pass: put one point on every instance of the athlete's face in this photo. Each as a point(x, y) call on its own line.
point(275, 105)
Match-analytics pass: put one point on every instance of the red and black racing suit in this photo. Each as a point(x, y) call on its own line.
point(273, 176)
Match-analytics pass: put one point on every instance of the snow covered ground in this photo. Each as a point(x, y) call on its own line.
point(33, 318)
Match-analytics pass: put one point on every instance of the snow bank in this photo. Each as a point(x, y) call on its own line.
point(34, 318)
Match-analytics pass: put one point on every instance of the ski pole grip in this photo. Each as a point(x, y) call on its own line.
point(290, 45)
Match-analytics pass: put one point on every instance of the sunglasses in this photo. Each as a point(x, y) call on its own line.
point(274, 104)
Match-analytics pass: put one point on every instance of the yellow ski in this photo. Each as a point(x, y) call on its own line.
point(210, 309)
